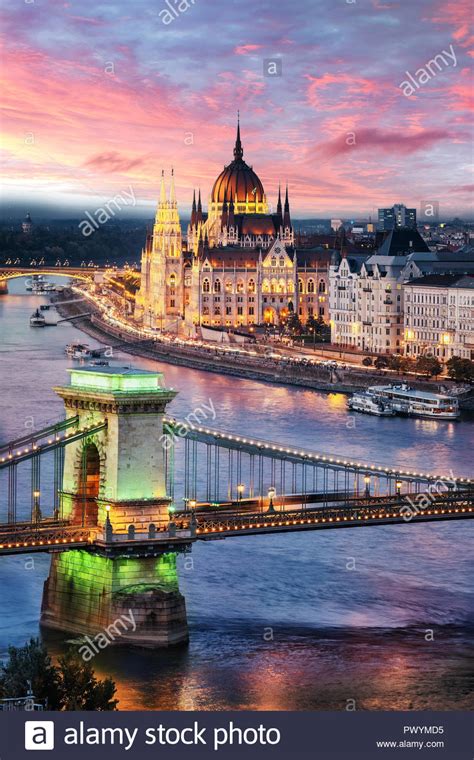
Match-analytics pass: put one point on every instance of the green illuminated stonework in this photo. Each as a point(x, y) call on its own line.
point(87, 593)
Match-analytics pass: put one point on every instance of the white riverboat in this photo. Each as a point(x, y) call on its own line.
point(414, 403)
point(39, 284)
point(78, 351)
point(37, 319)
point(363, 402)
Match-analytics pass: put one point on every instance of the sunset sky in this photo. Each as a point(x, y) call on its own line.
point(100, 96)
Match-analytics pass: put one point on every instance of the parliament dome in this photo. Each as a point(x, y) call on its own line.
point(237, 181)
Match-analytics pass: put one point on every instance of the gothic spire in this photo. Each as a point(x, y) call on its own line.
point(172, 189)
point(193, 211)
point(225, 215)
point(279, 208)
point(231, 218)
point(286, 216)
point(238, 150)
point(199, 208)
point(162, 188)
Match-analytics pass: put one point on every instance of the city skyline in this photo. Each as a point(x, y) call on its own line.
point(101, 101)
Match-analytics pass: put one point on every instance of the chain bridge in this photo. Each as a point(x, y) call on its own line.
point(116, 490)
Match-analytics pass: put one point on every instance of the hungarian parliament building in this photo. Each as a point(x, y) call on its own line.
point(239, 265)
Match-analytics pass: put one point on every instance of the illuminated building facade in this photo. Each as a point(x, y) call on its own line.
point(239, 266)
point(439, 316)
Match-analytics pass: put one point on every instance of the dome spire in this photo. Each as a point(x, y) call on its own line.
point(238, 150)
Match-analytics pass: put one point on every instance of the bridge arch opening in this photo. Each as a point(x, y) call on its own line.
point(87, 508)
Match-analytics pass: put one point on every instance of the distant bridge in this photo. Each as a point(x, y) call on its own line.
point(85, 273)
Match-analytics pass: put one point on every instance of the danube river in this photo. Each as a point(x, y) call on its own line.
point(376, 618)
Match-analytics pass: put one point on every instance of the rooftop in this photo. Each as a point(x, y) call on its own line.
point(448, 280)
point(117, 379)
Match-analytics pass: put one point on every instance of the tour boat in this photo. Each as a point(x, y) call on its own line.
point(37, 319)
point(405, 400)
point(39, 284)
point(78, 351)
point(362, 402)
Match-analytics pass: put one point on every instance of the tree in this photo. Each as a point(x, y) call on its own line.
point(27, 665)
point(367, 361)
point(460, 370)
point(428, 365)
point(79, 688)
point(399, 363)
point(381, 362)
point(294, 325)
point(311, 325)
point(71, 685)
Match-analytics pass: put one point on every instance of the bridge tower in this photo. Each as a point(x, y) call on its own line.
point(114, 482)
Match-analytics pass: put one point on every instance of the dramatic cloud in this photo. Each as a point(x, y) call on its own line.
point(106, 96)
point(380, 141)
point(113, 162)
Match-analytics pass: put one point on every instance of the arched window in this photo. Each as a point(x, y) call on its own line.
point(217, 311)
point(273, 286)
point(206, 286)
point(322, 286)
point(310, 286)
point(205, 310)
point(290, 286)
point(228, 286)
point(274, 261)
point(300, 286)
point(282, 286)
point(251, 286)
point(266, 286)
point(282, 261)
point(240, 286)
point(172, 284)
point(217, 286)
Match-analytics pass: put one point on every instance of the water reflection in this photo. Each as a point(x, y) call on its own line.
point(336, 632)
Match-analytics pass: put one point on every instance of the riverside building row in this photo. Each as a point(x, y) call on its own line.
point(404, 299)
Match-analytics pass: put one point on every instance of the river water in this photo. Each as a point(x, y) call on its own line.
point(377, 618)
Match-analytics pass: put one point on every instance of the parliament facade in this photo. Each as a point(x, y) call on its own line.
point(239, 265)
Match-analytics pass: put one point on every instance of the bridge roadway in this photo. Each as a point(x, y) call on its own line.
point(210, 522)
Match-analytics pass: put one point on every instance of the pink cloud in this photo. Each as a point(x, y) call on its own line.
point(113, 162)
point(381, 140)
point(245, 49)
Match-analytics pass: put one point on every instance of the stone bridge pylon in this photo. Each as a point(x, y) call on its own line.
point(115, 480)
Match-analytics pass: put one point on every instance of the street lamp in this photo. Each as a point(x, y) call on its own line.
point(240, 490)
point(367, 485)
point(398, 486)
point(271, 496)
point(36, 507)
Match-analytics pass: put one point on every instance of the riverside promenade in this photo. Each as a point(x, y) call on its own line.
point(286, 369)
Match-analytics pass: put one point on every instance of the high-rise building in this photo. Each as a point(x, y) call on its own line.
point(397, 216)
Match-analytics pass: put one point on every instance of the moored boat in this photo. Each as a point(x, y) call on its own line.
point(415, 403)
point(78, 351)
point(363, 402)
point(37, 319)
